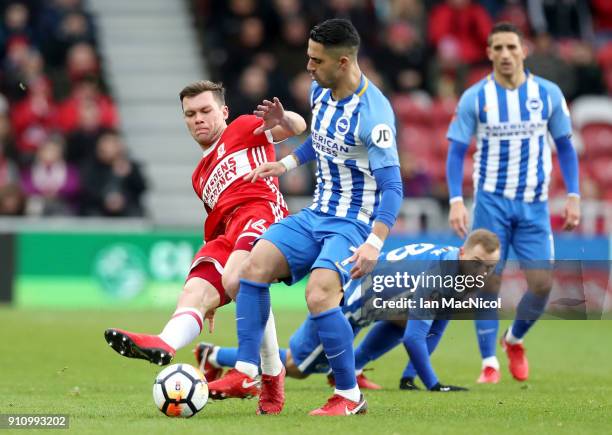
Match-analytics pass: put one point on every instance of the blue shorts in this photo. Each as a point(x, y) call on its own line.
point(523, 225)
point(307, 351)
point(311, 240)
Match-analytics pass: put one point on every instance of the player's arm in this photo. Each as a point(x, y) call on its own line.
point(568, 160)
point(460, 132)
point(281, 123)
point(454, 178)
point(560, 127)
point(384, 161)
point(302, 154)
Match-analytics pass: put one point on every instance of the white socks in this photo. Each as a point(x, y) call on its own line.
point(212, 357)
point(353, 394)
point(271, 363)
point(511, 338)
point(490, 361)
point(183, 327)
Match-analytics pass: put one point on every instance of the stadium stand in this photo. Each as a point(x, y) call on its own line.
point(418, 51)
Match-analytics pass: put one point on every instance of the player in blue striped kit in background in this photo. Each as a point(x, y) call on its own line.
point(356, 202)
point(511, 112)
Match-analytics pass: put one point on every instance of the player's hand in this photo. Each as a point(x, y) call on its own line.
point(365, 258)
point(571, 213)
point(210, 317)
point(458, 218)
point(265, 170)
point(272, 113)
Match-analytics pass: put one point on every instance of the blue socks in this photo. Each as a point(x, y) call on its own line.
point(336, 336)
point(379, 340)
point(227, 356)
point(433, 338)
point(252, 312)
point(487, 327)
point(416, 345)
point(529, 309)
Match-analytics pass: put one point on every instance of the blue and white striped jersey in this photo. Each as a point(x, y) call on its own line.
point(513, 156)
point(351, 138)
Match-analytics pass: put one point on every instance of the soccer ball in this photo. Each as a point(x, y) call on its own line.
point(180, 390)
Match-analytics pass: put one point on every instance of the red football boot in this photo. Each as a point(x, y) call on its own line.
point(362, 382)
point(202, 351)
point(339, 405)
point(143, 346)
point(489, 375)
point(234, 384)
point(272, 396)
point(518, 364)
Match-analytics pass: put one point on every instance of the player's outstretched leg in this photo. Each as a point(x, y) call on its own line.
point(198, 296)
point(336, 336)
point(143, 346)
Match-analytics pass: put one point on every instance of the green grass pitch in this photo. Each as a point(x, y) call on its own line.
point(58, 362)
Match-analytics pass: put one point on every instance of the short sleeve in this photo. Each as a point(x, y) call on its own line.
point(463, 124)
point(377, 131)
point(559, 124)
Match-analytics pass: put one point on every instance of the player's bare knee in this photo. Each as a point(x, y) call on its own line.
point(231, 284)
point(320, 299)
point(256, 269)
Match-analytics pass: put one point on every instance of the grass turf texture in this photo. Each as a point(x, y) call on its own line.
point(58, 362)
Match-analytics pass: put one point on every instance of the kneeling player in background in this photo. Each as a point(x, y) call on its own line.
point(239, 211)
point(420, 334)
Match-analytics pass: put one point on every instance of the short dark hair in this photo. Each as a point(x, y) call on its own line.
point(196, 88)
point(336, 33)
point(485, 238)
point(504, 27)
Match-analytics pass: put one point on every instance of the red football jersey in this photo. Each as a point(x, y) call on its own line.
point(218, 178)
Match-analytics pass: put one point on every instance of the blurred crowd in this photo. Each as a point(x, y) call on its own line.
point(60, 151)
point(422, 54)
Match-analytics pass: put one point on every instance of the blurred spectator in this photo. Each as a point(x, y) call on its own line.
point(252, 88)
point(589, 78)
point(514, 12)
point(86, 90)
point(33, 119)
point(401, 58)
point(410, 12)
point(458, 30)
point(12, 201)
point(299, 89)
point(15, 26)
point(290, 50)
point(602, 20)
point(112, 183)
point(286, 9)
point(64, 22)
point(545, 62)
point(561, 19)
point(82, 62)
point(416, 181)
point(51, 184)
point(9, 173)
point(355, 10)
point(81, 142)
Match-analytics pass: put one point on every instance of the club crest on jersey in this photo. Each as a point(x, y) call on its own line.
point(534, 105)
point(220, 151)
point(342, 125)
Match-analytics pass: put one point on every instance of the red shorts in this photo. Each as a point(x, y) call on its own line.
point(246, 224)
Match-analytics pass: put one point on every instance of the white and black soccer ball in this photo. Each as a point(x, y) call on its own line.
point(180, 390)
